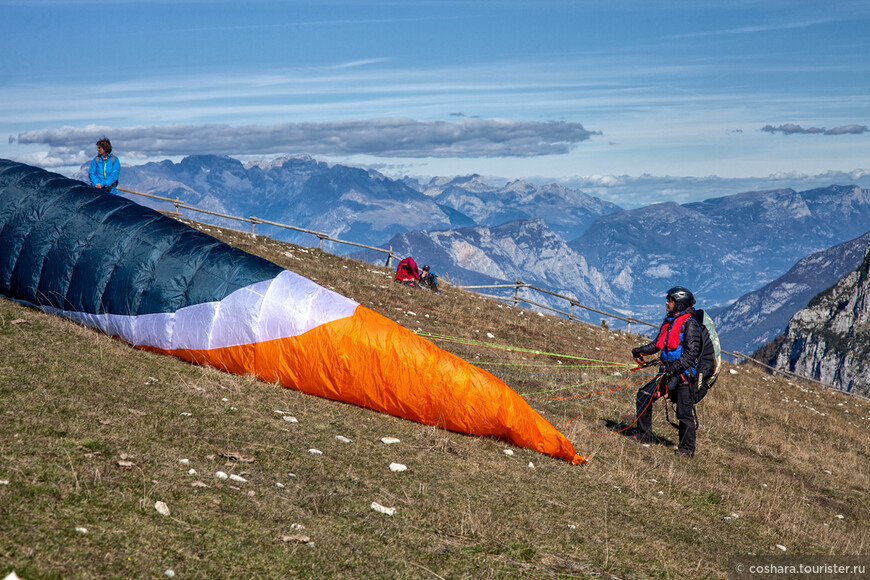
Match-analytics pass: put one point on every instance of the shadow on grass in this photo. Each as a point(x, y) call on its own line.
point(626, 430)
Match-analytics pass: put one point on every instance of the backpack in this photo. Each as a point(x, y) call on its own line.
point(710, 360)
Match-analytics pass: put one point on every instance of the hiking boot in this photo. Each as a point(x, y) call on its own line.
point(684, 453)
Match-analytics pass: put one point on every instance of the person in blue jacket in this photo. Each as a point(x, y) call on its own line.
point(105, 168)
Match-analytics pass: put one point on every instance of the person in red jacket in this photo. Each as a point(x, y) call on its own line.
point(407, 272)
point(679, 345)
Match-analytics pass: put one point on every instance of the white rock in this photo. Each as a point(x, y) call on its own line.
point(290, 419)
point(170, 573)
point(389, 440)
point(4, 482)
point(732, 371)
point(780, 547)
point(161, 508)
point(839, 516)
point(191, 471)
point(572, 527)
point(297, 527)
point(187, 414)
point(184, 461)
point(383, 510)
point(398, 467)
point(225, 400)
point(343, 439)
point(531, 465)
point(221, 475)
point(238, 478)
point(509, 452)
point(661, 493)
point(81, 530)
point(490, 335)
point(279, 484)
point(315, 452)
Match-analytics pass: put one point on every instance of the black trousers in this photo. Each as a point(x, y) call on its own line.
point(680, 393)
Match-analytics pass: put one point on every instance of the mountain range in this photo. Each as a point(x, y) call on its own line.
point(554, 237)
point(720, 248)
point(526, 250)
point(567, 212)
point(758, 317)
point(349, 203)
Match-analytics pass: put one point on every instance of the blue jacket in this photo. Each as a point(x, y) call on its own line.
point(105, 172)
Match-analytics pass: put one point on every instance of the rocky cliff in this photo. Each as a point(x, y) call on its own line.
point(830, 339)
point(758, 317)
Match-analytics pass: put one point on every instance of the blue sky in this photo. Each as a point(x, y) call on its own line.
point(636, 101)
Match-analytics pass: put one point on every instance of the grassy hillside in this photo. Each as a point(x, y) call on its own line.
point(94, 433)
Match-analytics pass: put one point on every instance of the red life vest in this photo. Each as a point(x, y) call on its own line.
point(670, 334)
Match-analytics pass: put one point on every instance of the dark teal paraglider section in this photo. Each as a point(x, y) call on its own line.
point(66, 245)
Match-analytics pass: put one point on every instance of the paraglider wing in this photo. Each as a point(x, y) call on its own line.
point(116, 266)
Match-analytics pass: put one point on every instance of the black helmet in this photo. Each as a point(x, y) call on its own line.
point(682, 297)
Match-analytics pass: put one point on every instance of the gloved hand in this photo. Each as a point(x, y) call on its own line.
point(671, 368)
point(636, 354)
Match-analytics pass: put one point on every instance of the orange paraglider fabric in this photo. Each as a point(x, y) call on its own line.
point(370, 361)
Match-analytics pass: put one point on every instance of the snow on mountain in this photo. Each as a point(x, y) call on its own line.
point(350, 203)
point(524, 250)
point(568, 212)
point(720, 248)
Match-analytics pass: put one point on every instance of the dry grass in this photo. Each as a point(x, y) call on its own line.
point(786, 458)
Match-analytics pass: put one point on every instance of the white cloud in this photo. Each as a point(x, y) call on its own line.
point(792, 129)
point(383, 137)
